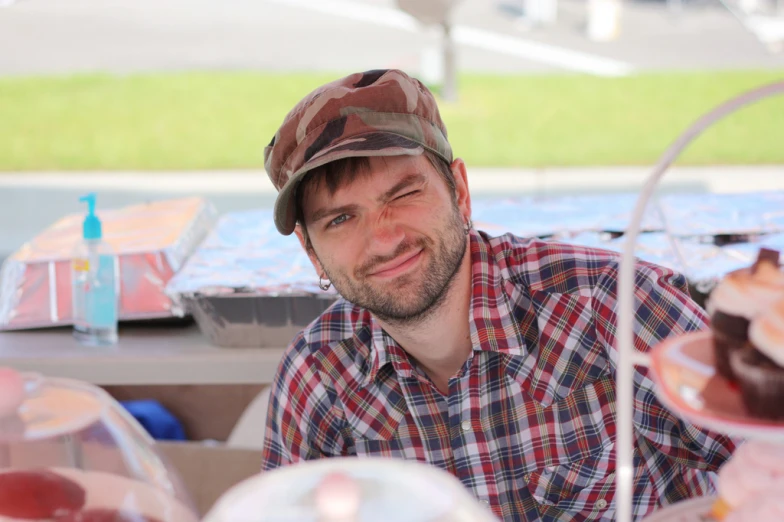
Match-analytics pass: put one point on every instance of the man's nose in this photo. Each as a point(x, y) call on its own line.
point(384, 234)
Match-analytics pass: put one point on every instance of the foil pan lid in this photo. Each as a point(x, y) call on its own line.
point(245, 253)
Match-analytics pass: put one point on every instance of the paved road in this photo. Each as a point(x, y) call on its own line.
point(52, 36)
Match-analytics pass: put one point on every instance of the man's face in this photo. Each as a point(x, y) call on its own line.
point(390, 241)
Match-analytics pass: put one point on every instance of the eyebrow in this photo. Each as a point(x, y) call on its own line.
point(407, 181)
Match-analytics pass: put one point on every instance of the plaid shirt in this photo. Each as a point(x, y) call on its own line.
point(528, 425)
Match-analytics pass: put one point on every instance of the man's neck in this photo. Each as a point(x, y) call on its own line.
point(441, 343)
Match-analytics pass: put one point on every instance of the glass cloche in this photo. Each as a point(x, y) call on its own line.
point(70, 453)
point(350, 489)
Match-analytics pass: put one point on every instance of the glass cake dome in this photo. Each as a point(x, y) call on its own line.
point(70, 453)
point(351, 489)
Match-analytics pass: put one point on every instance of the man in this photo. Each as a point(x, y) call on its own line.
point(491, 358)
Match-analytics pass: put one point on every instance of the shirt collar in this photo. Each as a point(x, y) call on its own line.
point(494, 323)
point(382, 350)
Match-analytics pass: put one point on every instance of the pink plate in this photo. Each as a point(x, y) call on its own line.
point(683, 369)
point(694, 510)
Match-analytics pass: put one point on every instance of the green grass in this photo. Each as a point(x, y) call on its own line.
point(224, 120)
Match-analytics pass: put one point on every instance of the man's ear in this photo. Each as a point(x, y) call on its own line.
point(314, 260)
point(460, 173)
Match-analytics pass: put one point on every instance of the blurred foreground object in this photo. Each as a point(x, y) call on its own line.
point(151, 242)
point(70, 453)
point(437, 13)
point(351, 490)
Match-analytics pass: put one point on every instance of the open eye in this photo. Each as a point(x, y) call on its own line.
point(338, 220)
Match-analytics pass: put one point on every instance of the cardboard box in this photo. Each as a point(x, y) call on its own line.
point(208, 413)
point(209, 470)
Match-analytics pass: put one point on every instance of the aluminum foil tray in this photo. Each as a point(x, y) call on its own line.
point(561, 216)
point(152, 242)
point(249, 286)
point(717, 218)
point(740, 216)
point(254, 321)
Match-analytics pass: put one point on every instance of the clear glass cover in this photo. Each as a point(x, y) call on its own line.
point(351, 490)
point(70, 453)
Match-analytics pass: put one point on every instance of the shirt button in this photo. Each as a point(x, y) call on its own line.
point(484, 502)
point(527, 477)
point(601, 504)
point(466, 425)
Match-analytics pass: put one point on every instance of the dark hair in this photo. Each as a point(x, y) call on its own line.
point(339, 173)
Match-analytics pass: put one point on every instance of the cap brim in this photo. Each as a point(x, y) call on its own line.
point(370, 144)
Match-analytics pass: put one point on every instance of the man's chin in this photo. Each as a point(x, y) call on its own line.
point(402, 307)
point(400, 315)
point(393, 306)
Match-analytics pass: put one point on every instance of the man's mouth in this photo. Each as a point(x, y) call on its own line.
point(397, 266)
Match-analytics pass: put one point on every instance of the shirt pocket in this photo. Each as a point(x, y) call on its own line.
point(373, 447)
point(580, 488)
point(386, 432)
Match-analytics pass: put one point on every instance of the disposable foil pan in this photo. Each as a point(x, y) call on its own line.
point(249, 286)
point(253, 320)
point(152, 241)
point(560, 216)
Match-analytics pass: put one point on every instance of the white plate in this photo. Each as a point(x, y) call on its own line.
point(686, 382)
point(694, 510)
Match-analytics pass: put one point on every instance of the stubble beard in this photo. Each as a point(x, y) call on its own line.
point(413, 298)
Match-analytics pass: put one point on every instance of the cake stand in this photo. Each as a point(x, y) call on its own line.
point(681, 367)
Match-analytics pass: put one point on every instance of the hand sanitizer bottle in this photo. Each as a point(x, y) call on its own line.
point(95, 281)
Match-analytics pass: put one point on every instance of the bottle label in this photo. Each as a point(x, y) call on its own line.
point(81, 265)
point(101, 309)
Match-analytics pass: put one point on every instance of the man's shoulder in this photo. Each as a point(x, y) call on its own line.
point(550, 266)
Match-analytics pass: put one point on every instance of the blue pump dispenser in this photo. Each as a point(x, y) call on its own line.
point(91, 228)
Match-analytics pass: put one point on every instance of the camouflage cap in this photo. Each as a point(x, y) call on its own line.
point(375, 113)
